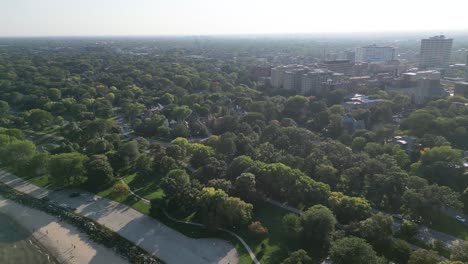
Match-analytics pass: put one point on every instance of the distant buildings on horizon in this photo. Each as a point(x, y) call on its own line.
point(374, 53)
point(376, 65)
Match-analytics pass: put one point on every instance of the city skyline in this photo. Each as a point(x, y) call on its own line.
point(209, 17)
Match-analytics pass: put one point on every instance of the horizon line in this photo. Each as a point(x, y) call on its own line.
point(342, 33)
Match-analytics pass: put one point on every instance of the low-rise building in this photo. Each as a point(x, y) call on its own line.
point(419, 86)
point(461, 89)
point(339, 66)
point(361, 101)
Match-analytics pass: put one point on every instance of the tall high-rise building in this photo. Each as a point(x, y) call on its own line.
point(435, 52)
point(374, 53)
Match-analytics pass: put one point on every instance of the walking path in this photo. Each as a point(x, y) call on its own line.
point(146, 232)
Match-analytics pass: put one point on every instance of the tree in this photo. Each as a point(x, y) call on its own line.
point(180, 113)
point(352, 250)
point(318, 224)
point(401, 251)
point(409, 229)
point(245, 185)
point(427, 203)
point(358, 144)
point(143, 165)
point(128, 153)
point(39, 119)
point(295, 105)
point(298, 257)
point(212, 169)
point(176, 152)
point(200, 153)
point(460, 251)
point(464, 199)
point(38, 164)
point(222, 184)
point(96, 128)
point(180, 130)
point(419, 122)
point(119, 190)
point(67, 168)
point(349, 209)
point(239, 165)
point(443, 165)
point(54, 94)
point(17, 154)
point(328, 174)
point(376, 229)
point(99, 172)
point(4, 108)
point(291, 226)
point(257, 229)
point(422, 256)
point(218, 209)
point(177, 189)
point(227, 144)
point(98, 146)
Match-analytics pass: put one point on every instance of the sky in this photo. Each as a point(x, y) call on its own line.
point(223, 17)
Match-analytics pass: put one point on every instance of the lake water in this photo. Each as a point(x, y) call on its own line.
point(17, 247)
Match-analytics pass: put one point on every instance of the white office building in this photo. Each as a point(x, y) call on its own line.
point(374, 53)
point(435, 52)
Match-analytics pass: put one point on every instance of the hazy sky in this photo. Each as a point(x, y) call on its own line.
point(206, 17)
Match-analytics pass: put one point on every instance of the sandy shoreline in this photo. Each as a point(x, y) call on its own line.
point(65, 242)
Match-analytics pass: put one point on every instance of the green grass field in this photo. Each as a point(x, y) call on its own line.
point(451, 226)
point(276, 244)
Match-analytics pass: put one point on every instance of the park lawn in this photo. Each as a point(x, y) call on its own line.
point(277, 246)
point(41, 181)
point(46, 138)
point(127, 199)
point(447, 224)
point(148, 189)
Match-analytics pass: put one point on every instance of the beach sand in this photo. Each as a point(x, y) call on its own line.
point(64, 241)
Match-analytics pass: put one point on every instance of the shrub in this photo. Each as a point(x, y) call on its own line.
point(119, 190)
point(258, 229)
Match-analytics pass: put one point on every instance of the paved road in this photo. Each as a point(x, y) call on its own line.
point(153, 236)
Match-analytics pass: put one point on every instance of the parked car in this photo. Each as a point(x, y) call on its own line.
point(74, 194)
point(460, 219)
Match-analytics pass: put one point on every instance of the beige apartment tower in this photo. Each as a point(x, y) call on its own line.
point(435, 52)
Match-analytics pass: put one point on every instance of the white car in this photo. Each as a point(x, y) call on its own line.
point(460, 219)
